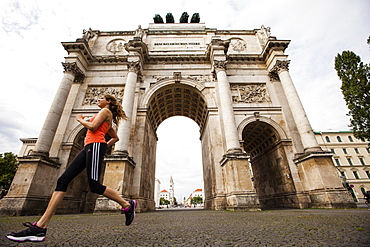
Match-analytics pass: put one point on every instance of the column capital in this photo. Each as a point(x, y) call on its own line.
point(219, 65)
point(280, 66)
point(134, 66)
point(75, 70)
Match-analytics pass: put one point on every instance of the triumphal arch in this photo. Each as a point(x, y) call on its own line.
point(258, 147)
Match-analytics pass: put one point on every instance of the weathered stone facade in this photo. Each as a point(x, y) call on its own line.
point(258, 148)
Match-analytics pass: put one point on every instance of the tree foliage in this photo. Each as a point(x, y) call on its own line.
point(8, 167)
point(163, 201)
point(197, 200)
point(355, 87)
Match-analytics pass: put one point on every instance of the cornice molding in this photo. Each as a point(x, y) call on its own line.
point(79, 46)
point(274, 45)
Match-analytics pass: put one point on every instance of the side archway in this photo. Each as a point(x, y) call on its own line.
point(267, 145)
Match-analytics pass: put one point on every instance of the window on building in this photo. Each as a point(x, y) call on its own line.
point(332, 150)
point(345, 151)
point(343, 174)
point(356, 150)
point(327, 138)
point(362, 161)
point(339, 139)
point(368, 174)
point(368, 150)
point(350, 161)
point(350, 138)
point(355, 173)
point(337, 162)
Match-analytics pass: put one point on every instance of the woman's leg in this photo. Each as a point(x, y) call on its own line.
point(54, 202)
point(75, 168)
point(113, 195)
point(94, 160)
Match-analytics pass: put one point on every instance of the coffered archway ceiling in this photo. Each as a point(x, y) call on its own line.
point(177, 100)
point(258, 136)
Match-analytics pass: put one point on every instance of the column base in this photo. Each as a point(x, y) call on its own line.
point(118, 176)
point(331, 198)
point(244, 201)
point(321, 181)
point(31, 188)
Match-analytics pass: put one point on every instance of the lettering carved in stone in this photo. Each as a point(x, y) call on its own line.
point(251, 93)
point(94, 93)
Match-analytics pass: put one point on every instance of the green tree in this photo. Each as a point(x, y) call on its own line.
point(163, 201)
point(197, 200)
point(355, 87)
point(8, 167)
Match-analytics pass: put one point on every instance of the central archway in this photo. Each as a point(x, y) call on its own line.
point(177, 100)
point(165, 100)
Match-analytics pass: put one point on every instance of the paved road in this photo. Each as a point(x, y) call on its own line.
point(296, 227)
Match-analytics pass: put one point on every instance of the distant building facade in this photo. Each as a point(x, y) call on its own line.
point(195, 193)
point(157, 192)
point(351, 157)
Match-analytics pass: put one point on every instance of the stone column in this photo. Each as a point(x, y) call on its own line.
point(124, 129)
point(226, 104)
point(303, 125)
point(46, 137)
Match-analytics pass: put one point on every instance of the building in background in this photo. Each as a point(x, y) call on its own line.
point(157, 191)
point(195, 193)
point(165, 195)
point(351, 157)
point(172, 192)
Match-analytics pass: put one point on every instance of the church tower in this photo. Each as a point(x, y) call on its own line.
point(172, 192)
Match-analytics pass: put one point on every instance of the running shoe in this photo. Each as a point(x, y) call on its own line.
point(32, 233)
point(130, 212)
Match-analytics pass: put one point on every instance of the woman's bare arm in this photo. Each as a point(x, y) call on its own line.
point(114, 137)
point(99, 119)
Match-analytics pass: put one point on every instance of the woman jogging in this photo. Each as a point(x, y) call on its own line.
point(91, 158)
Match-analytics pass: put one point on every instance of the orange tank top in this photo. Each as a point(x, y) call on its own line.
point(97, 135)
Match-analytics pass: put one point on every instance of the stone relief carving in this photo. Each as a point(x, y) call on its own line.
point(94, 93)
point(197, 78)
point(200, 78)
point(116, 45)
point(238, 45)
point(250, 93)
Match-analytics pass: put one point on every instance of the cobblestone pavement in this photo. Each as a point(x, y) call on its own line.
point(293, 227)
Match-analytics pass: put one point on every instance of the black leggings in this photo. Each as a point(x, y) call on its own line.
point(91, 158)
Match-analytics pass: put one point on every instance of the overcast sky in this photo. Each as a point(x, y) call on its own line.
point(31, 56)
